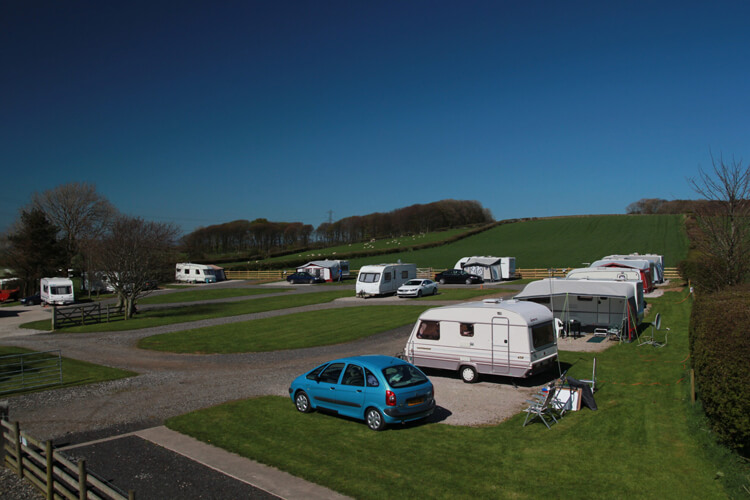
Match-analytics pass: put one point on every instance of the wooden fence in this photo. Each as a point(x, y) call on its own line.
point(424, 272)
point(30, 370)
point(82, 314)
point(49, 471)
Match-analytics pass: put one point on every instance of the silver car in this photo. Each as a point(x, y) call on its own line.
point(417, 288)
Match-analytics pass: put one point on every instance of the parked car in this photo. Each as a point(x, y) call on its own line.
point(31, 300)
point(378, 389)
point(457, 276)
point(304, 277)
point(417, 288)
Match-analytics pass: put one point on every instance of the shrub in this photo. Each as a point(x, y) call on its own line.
point(720, 350)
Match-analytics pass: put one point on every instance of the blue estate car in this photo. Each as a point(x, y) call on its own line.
point(377, 389)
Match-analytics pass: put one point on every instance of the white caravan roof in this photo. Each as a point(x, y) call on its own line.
point(323, 263)
point(583, 272)
point(518, 312)
point(562, 286)
point(636, 263)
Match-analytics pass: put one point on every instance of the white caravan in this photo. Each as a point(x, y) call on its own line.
point(657, 270)
point(383, 279)
point(509, 338)
point(195, 273)
point(488, 267)
point(604, 273)
point(56, 291)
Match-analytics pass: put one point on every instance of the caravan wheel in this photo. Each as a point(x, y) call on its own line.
point(469, 374)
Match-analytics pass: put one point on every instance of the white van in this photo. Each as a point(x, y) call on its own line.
point(383, 279)
point(510, 338)
point(56, 291)
point(194, 273)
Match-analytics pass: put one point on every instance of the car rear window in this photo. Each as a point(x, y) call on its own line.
point(399, 376)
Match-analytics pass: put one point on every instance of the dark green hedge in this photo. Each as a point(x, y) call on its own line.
point(720, 352)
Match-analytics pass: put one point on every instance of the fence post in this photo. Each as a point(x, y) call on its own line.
point(107, 313)
point(82, 493)
point(83, 317)
point(54, 317)
point(19, 451)
point(50, 480)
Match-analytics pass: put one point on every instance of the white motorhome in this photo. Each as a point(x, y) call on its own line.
point(56, 291)
point(488, 267)
point(383, 279)
point(509, 338)
point(195, 273)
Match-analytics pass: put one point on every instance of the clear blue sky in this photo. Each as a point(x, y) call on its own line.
point(198, 113)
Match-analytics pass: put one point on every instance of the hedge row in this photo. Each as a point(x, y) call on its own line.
point(720, 352)
point(296, 262)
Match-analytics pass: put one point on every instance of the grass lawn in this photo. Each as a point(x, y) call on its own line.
point(643, 442)
point(195, 295)
point(74, 373)
point(463, 294)
point(309, 329)
point(564, 242)
point(169, 316)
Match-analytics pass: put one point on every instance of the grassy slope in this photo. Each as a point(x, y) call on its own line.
point(560, 242)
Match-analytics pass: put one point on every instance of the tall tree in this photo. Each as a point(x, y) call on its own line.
point(78, 210)
point(133, 255)
point(33, 250)
point(724, 222)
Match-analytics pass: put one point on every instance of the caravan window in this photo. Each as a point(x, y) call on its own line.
point(369, 277)
point(429, 330)
point(542, 335)
point(404, 275)
point(467, 329)
point(61, 290)
point(197, 271)
point(387, 277)
point(187, 271)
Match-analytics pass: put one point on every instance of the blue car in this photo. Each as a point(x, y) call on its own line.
point(378, 389)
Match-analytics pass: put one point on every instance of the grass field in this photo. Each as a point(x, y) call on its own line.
point(74, 373)
point(642, 442)
point(565, 242)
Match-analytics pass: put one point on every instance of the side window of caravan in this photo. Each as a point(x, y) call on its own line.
point(197, 271)
point(386, 277)
point(467, 329)
point(429, 330)
point(405, 275)
point(187, 271)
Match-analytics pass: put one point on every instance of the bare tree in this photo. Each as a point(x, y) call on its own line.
point(724, 222)
point(78, 211)
point(133, 256)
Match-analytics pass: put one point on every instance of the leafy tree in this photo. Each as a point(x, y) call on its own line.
point(133, 256)
point(724, 223)
point(34, 250)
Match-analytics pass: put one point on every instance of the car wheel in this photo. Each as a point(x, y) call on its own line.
point(469, 374)
point(419, 293)
point(434, 291)
point(374, 419)
point(302, 402)
point(442, 281)
point(468, 281)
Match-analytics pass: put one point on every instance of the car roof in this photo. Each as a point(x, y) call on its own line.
point(372, 361)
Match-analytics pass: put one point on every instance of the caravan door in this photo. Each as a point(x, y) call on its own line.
point(500, 345)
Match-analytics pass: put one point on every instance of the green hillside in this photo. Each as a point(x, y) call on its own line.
point(564, 242)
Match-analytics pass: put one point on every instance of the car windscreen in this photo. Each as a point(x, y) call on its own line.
point(413, 283)
point(369, 277)
point(399, 376)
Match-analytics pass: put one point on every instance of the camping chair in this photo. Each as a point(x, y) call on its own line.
point(540, 406)
point(651, 339)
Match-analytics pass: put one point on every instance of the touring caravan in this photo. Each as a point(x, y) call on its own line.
point(329, 270)
point(592, 303)
point(488, 267)
point(197, 273)
point(509, 338)
point(642, 265)
point(56, 291)
point(383, 279)
point(657, 263)
point(604, 273)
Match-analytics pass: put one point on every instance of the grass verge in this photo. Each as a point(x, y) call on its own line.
point(641, 442)
point(208, 294)
point(169, 316)
point(74, 373)
point(296, 331)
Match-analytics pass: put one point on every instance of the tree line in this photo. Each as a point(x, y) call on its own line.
point(261, 237)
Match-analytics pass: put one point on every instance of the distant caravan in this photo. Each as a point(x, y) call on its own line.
point(383, 279)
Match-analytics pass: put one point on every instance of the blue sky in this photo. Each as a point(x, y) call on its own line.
point(200, 113)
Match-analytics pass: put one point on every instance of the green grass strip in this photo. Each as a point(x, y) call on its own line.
point(208, 294)
point(295, 331)
point(639, 444)
point(159, 317)
point(74, 373)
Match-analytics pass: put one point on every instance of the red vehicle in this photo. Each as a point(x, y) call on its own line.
point(12, 294)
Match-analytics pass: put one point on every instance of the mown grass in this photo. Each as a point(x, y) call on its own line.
point(197, 312)
point(74, 373)
point(206, 294)
point(640, 443)
point(296, 331)
point(565, 242)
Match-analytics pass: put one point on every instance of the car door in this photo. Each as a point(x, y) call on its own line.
point(323, 390)
point(350, 392)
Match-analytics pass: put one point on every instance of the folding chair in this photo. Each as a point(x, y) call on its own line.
point(540, 406)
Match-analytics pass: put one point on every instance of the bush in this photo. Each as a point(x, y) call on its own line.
point(720, 350)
